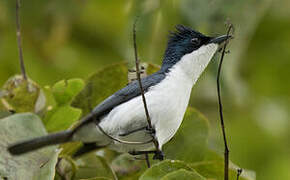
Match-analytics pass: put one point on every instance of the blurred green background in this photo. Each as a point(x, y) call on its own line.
point(68, 39)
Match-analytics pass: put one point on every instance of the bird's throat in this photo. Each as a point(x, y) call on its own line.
point(191, 66)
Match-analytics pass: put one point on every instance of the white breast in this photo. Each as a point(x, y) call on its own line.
point(170, 97)
point(166, 101)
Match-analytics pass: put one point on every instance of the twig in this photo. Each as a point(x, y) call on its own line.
point(226, 153)
point(18, 34)
point(156, 144)
point(147, 160)
point(239, 172)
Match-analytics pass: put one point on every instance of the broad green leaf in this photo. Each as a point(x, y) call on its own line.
point(184, 175)
point(38, 164)
point(91, 166)
point(40, 103)
point(159, 170)
point(98, 178)
point(127, 167)
point(70, 148)
point(213, 167)
point(4, 114)
point(50, 100)
point(190, 142)
point(65, 90)
point(61, 118)
point(4, 111)
point(22, 95)
point(66, 168)
point(102, 84)
point(151, 68)
point(108, 154)
point(48, 169)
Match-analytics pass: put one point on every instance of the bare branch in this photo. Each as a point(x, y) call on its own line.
point(156, 144)
point(239, 172)
point(138, 76)
point(226, 153)
point(147, 160)
point(18, 34)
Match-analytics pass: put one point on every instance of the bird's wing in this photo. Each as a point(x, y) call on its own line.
point(123, 95)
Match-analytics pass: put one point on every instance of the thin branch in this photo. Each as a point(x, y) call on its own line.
point(139, 78)
point(226, 153)
point(147, 160)
point(156, 144)
point(18, 34)
point(239, 172)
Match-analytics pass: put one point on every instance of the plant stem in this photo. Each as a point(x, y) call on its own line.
point(147, 160)
point(156, 144)
point(226, 152)
point(18, 34)
point(239, 172)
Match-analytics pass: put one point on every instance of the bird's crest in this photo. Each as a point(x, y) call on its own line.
point(183, 32)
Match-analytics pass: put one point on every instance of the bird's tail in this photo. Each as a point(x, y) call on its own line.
point(33, 144)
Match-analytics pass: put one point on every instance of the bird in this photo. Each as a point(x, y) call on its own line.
point(121, 116)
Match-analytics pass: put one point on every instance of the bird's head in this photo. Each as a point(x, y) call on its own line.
point(186, 41)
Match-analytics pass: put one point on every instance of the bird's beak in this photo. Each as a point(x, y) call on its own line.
point(220, 39)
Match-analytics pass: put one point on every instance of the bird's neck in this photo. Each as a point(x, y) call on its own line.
point(171, 56)
point(189, 66)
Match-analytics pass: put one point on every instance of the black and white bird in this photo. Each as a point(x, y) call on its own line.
point(122, 115)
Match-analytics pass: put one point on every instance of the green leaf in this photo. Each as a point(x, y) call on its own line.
point(60, 115)
point(48, 169)
point(151, 68)
point(159, 170)
point(190, 142)
point(66, 167)
point(65, 90)
point(213, 167)
point(40, 103)
point(22, 95)
point(70, 148)
point(102, 84)
point(34, 165)
point(92, 166)
point(4, 114)
point(127, 167)
point(61, 118)
point(184, 175)
point(50, 100)
point(98, 178)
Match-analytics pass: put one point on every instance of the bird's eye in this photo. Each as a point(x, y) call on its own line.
point(195, 41)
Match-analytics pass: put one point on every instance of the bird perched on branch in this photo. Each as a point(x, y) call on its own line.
point(121, 116)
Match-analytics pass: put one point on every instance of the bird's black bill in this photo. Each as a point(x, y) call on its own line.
point(220, 39)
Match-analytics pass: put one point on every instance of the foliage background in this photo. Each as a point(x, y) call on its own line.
point(68, 39)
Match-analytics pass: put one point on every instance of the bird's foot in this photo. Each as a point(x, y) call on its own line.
point(151, 131)
point(158, 155)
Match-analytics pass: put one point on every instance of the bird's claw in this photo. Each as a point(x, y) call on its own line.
point(151, 131)
point(159, 155)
